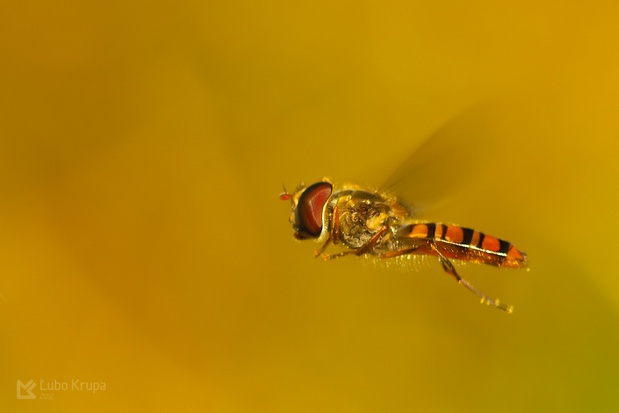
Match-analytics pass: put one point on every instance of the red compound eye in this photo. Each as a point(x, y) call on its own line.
point(308, 215)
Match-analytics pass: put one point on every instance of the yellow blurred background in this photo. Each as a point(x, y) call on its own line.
point(143, 247)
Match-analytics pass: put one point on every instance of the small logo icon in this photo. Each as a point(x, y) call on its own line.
point(24, 390)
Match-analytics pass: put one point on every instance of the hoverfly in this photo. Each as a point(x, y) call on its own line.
point(377, 223)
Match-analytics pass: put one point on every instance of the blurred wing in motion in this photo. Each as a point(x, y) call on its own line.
point(457, 152)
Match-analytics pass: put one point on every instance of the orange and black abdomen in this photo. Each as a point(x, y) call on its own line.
point(465, 244)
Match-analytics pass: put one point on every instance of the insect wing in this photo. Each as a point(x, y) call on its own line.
point(451, 156)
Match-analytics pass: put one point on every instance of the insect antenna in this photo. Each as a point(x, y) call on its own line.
point(285, 196)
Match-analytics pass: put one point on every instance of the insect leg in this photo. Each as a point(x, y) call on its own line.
point(335, 225)
point(362, 249)
point(449, 268)
point(334, 233)
point(323, 247)
point(397, 253)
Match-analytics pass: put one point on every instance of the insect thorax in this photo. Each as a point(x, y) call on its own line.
point(361, 215)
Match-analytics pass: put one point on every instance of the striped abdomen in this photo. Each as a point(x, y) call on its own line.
point(464, 244)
